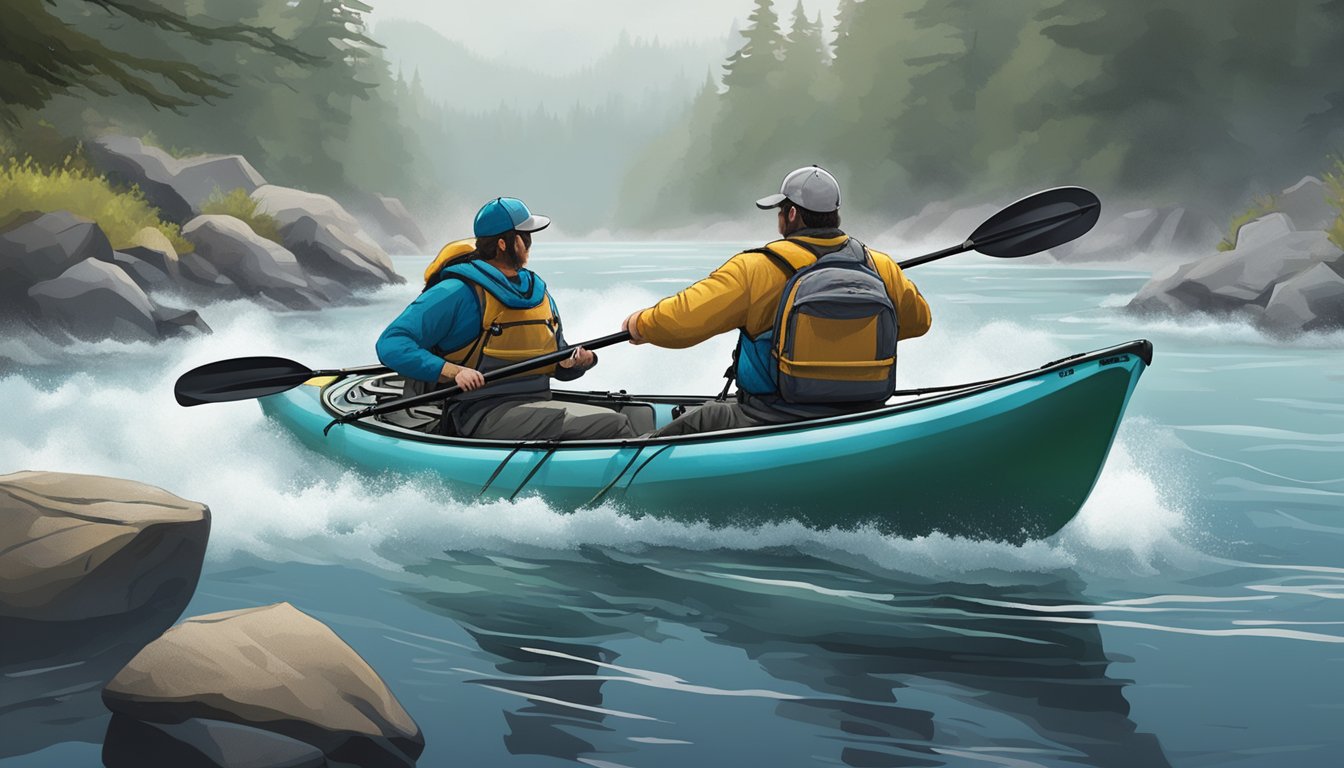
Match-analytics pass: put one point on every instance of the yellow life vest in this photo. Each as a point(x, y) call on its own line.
point(508, 334)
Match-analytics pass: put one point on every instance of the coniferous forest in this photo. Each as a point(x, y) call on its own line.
point(1193, 102)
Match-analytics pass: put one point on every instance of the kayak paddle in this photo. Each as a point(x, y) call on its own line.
point(402, 403)
point(1033, 224)
point(244, 378)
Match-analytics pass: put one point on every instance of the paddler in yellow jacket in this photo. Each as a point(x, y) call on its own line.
point(826, 347)
point(482, 309)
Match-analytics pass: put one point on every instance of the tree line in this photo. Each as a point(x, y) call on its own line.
point(1169, 101)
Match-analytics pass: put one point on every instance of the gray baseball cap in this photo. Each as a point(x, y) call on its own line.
point(811, 187)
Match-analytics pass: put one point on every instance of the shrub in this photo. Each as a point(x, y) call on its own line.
point(240, 205)
point(27, 186)
point(1334, 194)
point(1260, 207)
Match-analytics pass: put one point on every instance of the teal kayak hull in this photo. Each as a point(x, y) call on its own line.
point(1010, 459)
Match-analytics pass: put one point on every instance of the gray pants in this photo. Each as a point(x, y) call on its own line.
point(552, 420)
point(710, 417)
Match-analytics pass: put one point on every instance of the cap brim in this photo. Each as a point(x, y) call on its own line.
point(533, 223)
point(766, 203)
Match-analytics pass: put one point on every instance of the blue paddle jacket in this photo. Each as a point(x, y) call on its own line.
point(448, 316)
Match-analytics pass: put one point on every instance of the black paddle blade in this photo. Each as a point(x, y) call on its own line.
point(1037, 222)
point(239, 378)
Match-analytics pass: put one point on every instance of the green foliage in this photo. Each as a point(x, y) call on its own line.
point(42, 56)
point(240, 205)
point(1334, 184)
point(1260, 207)
point(1185, 102)
point(27, 186)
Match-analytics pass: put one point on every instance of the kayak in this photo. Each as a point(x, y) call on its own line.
point(1011, 458)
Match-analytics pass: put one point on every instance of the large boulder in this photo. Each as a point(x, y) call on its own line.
point(1305, 204)
point(42, 246)
point(1297, 272)
point(178, 187)
point(273, 668)
point(1312, 300)
point(74, 547)
point(91, 569)
point(324, 236)
point(94, 300)
point(249, 261)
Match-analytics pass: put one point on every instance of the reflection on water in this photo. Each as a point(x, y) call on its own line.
point(874, 672)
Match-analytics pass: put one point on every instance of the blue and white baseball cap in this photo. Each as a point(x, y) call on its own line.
point(507, 213)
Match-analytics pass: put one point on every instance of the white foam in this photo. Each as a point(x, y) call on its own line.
point(274, 499)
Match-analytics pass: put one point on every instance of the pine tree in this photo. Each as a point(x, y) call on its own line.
point(41, 56)
point(752, 64)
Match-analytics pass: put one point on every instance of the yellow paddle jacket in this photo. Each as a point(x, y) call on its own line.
point(745, 292)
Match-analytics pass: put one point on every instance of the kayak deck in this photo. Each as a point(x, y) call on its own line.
point(1011, 458)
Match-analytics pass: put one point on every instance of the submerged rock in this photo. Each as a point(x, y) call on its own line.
point(203, 744)
point(273, 668)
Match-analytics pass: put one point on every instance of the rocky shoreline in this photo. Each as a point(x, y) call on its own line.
point(1283, 272)
point(93, 573)
point(61, 277)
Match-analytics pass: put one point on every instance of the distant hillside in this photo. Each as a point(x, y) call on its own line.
point(626, 75)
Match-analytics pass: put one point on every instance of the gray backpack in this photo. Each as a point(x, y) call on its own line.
point(834, 338)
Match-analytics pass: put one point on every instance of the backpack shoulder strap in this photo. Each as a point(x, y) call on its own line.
point(779, 261)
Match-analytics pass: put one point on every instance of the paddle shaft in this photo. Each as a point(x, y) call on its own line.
point(971, 245)
point(403, 403)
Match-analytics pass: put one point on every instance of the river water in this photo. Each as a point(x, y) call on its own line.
point(1191, 615)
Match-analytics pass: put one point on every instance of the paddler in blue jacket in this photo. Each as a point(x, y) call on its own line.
point(481, 310)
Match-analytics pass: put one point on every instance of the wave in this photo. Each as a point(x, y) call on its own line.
point(274, 499)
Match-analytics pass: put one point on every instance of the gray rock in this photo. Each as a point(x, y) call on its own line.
point(1312, 300)
point(338, 255)
point(176, 322)
point(95, 300)
point(74, 547)
point(176, 186)
point(1305, 204)
point(1274, 277)
point(389, 222)
point(45, 245)
point(1265, 229)
point(203, 743)
point(153, 247)
point(1248, 274)
point(145, 275)
point(273, 668)
point(324, 236)
point(254, 264)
